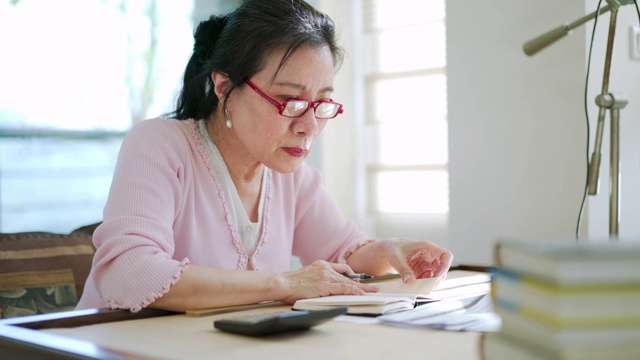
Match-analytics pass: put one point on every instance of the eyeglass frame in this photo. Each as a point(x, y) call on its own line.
point(283, 106)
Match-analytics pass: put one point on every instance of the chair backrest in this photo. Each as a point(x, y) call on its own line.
point(43, 272)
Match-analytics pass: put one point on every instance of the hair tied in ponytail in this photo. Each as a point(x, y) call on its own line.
point(206, 35)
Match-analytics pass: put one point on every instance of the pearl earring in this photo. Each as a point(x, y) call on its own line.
point(226, 116)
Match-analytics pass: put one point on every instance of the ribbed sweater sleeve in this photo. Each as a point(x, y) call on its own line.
point(321, 230)
point(133, 263)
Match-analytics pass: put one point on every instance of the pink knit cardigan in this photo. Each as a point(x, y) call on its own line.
point(167, 209)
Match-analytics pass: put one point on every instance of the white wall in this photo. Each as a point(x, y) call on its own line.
point(517, 130)
point(517, 124)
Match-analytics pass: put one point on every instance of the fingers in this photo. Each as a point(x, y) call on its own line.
point(396, 255)
point(341, 269)
point(322, 279)
point(445, 263)
point(404, 269)
point(423, 269)
point(423, 260)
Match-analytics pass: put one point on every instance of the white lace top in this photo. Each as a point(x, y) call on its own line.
point(247, 230)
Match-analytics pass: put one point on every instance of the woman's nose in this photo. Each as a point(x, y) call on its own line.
point(306, 124)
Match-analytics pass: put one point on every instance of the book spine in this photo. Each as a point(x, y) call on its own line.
point(571, 263)
point(498, 346)
point(567, 303)
point(561, 321)
point(540, 334)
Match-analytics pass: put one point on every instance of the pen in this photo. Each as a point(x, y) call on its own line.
point(357, 276)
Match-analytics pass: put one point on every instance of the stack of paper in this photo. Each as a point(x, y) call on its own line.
point(566, 300)
point(473, 313)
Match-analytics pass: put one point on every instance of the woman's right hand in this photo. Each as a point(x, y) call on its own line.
point(321, 278)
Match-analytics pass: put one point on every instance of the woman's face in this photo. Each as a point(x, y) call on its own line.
point(265, 136)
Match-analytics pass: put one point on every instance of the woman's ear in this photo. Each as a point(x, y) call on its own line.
point(221, 84)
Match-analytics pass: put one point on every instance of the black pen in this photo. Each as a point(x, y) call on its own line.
point(358, 276)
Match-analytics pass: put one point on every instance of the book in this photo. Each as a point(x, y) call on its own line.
point(539, 333)
point(461, 278)
point(461, 284)
point(367, 304)
point(571, 262)
point(395, 285)
point(502, 346)
point(592, 302)
point(394, 295)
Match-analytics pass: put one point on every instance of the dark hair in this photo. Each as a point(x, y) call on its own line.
point(239, 43)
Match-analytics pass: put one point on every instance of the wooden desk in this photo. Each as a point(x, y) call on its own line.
point(155, 334)
point(162, 335)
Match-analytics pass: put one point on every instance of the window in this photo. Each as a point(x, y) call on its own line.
point(406, 119)
point(406, 108)
point(75, 75)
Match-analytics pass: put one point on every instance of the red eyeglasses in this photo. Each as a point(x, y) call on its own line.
point(323, 109)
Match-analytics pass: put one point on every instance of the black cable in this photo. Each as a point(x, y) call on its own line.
point(586, 112)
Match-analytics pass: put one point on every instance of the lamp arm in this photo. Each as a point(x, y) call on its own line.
point(532, 46)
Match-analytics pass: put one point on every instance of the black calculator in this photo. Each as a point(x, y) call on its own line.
point(260, 324)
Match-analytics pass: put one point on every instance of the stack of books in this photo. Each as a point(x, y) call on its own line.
point(566, 300)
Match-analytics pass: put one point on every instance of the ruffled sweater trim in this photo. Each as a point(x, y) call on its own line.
point(244, 261)
point(184, 264)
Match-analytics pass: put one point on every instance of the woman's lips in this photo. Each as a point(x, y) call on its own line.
point(295, 151)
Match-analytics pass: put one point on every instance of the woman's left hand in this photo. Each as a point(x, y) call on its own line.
point(418, 259)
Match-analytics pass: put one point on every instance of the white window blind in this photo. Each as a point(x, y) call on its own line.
point(406, 120)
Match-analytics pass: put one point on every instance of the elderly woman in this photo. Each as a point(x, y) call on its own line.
point(207, 208)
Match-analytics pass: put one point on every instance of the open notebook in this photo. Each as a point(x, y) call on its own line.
point(394, 295)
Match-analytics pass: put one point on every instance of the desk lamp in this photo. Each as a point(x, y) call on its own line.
point(605, 101)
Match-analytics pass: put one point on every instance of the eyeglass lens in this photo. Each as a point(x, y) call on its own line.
point(323, 110)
